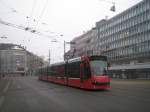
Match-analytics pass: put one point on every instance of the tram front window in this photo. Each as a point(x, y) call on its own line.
point(98, 67)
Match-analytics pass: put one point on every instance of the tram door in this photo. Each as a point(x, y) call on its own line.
point(81, 72)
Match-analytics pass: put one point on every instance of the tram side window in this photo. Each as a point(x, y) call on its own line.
point(49, 71)
point(60, 70)
point(73, 69)
point(54, 71)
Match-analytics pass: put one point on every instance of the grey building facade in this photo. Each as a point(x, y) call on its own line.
point(15, 60)
point(83, 44)
point(12, 61)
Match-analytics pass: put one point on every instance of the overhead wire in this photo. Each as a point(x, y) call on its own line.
point(40, 16)
point(30, 17)
point(8, 6)
point(42, 12)
point(31, 14)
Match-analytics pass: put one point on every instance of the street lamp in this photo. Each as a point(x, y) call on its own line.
point(113, 7)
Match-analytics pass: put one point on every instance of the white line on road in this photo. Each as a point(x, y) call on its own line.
point(2, 98)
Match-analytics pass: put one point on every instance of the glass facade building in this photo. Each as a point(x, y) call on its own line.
point(127, 35)
point(125, 38)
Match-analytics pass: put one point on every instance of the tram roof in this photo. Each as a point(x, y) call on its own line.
point(60, 63)
point(74, 60)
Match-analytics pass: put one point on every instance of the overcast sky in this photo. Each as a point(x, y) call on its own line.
point(60, 19)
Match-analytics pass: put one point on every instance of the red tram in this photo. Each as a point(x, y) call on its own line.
point(87, 72)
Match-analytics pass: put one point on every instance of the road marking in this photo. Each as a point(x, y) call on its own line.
point(2, 98)
point(6, 88)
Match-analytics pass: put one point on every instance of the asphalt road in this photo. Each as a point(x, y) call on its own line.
point(27, 94)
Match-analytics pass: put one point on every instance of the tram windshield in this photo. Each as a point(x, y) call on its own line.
point(98, 67)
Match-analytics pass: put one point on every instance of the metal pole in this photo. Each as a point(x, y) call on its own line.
point(49, 57)
point(64, 49)
point(0, 65)
point(26, 63)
